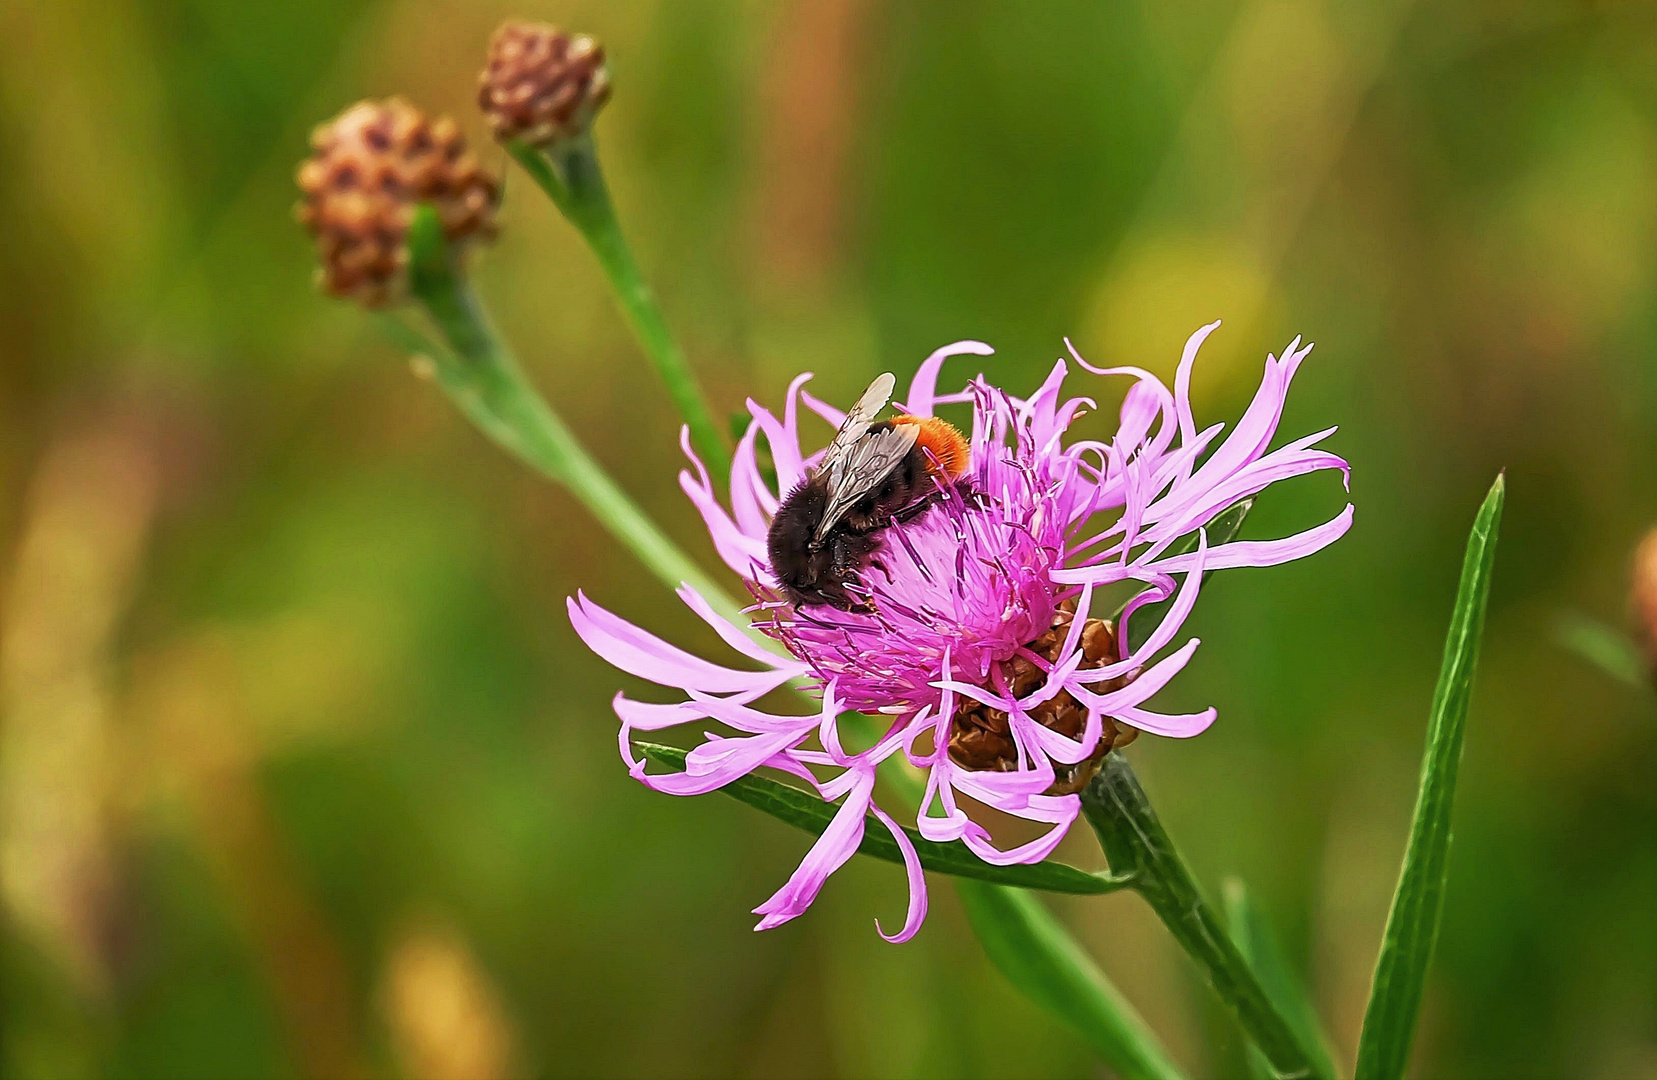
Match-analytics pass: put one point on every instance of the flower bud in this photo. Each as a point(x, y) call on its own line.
point(542, 85)
point(1644, 595)
point(369, 168)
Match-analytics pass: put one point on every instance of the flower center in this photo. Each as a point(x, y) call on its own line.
point(964, 585)
point(981, 737)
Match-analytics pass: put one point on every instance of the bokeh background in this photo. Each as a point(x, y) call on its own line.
point(302, 770)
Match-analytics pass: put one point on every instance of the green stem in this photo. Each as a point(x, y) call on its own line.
point(1136, 843)
point(486, 382)
point(489, 387)
point(570, 175)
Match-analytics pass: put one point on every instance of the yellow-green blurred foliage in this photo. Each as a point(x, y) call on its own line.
point(304, 772)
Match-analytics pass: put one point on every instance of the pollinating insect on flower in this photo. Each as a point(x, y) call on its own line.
point(369, 169)
point(952, 583)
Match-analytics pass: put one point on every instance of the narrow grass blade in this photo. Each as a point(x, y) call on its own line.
point(1255, 941)
point(807, 810)
point(1040, 958)
point(1412, 925)
point(1605, 647)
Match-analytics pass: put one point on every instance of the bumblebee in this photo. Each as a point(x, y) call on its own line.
point(827, 530)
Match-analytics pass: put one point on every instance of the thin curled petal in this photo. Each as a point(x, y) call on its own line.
point(649, 657)
point(1140, 689)
point(716, 763)
point(1268, 552)
point(923, 389)
point(916, 913)
point(1173, 727)
point(737, 549)
point(752, 500)
point(837, 844)
point(1182, 380)
point(731, 634)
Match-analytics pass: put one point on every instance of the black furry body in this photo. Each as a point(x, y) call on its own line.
point(817, 572)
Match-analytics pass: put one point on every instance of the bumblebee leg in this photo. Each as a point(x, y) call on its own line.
point(850, 554)
point(914, 510)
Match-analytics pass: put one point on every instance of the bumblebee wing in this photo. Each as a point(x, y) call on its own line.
point(869, 462)
point(857, 421)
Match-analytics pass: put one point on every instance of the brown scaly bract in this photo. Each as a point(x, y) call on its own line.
point(541, 84)
point(981, 737)
point(368, 170)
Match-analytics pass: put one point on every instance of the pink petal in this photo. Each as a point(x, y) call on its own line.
point(734, 712)
point(737, 549)
point(1141, 688)
point(646, 716)
point(716, 763)
point(785, 449)
point(1268, 552)
point(1182, 382)
point(649, 657)
point(733, 636)
point(1171, 622)
point(1056, 746)
point(834, 417)
point(916, 913)
point(1259, 423)
point(837, 844)
point(1060, 810)
point(924, 387)
point(1173, 727)
point(752, 502)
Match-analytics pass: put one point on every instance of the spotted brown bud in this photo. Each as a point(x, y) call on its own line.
point(542, 85)
point(369, 168)
point(1644, 595)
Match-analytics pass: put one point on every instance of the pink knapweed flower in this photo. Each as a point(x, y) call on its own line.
point(980, 647)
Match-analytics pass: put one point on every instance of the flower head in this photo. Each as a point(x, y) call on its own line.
point(984, 647)
point(369, 168)
point(541, 84)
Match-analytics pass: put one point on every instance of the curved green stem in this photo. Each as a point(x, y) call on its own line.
point(1136, 843)
point(570, 175)
point(483, 378)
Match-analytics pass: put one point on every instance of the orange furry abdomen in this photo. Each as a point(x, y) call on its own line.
point(943, 442)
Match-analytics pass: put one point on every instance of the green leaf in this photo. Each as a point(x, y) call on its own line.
point(1255, 941)
point(1222, 530)
point(1606, 648)
point(1040, 958)
point(1412, 925)
point(807, 810)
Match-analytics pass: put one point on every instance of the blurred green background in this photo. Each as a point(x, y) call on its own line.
point(302, 770)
